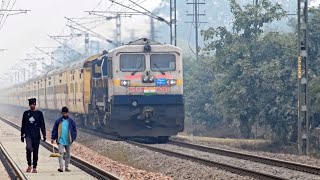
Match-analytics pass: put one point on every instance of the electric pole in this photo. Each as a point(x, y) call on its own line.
point(196, 20)
point(303, 99)
point(173, 22)
point(152, 29)
point(118, 29)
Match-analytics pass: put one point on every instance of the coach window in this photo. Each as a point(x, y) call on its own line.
point(80, 75)
point(132, 62)
point(163, 62)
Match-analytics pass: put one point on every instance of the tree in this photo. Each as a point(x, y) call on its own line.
point(314, 39)
point(253, 85)
point(314, 60)
point(198, 75)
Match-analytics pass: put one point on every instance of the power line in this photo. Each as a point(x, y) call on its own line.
point(50, 55)
point(55, 38)
point(7, 12)
point(196, 22)
point(145, 13)
point(124, 9)
point(89, 31)
point(4, 10)
point(142, 8)
point(172, 23)
point(117, 16)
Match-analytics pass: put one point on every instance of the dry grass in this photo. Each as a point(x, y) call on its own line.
point(237, 143)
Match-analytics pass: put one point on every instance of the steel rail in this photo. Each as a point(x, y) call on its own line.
point(11, 167)
point(230, 168)
point(265, 160)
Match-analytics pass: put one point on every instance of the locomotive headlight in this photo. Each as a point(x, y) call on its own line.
point(124, 82)
point(134, 103)
point(151, 79)
point(171, 82)
point(145, 79)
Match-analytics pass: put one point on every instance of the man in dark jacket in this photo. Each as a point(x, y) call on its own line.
point(64, 132)
point(32, 122)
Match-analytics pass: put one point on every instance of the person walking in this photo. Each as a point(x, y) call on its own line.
point(64, 132)
point(32, 122)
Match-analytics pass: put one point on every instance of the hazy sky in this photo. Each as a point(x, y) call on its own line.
point(24, 31)
point(315, 2)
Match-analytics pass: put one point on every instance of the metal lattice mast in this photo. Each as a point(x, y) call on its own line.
point(86, 43)
point(173, 22)
point(118, 29)
point(152, 29)
point(303, 99)
point(196, 21)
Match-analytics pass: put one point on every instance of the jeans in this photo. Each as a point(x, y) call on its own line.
point(32, 146)
point(67, 155)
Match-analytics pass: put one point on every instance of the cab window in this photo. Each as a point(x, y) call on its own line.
point(163, 62)
point(132, 62)
point(96, 69)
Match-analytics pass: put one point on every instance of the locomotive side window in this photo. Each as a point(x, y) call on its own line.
point(109, 67)
point(96, 69)
point(163, 62)
point(132, 62)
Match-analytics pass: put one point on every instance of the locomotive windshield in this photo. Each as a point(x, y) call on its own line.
point(163, 62)
point(132, 62)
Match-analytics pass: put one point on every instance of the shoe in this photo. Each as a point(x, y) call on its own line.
point(34, 170)
point(67, 169)
point(29, 169)
point(60, 170)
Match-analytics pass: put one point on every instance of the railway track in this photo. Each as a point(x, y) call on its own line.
point(255, 158)
point(83, 165)
point(230, 168)
point(229, 153)
point(13, 170)
point(238, 170)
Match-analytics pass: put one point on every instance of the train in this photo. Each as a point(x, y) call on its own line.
point(134, 90)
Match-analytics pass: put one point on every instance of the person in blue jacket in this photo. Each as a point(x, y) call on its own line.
point(64, 132)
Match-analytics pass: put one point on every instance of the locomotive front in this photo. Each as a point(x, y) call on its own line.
point(147, 89)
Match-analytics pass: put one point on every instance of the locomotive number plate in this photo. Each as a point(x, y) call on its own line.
point(144, 89)
point(162, 89)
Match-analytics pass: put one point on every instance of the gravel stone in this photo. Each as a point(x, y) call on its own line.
point(144, 159)
point(278, 171)
point(287, 157)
